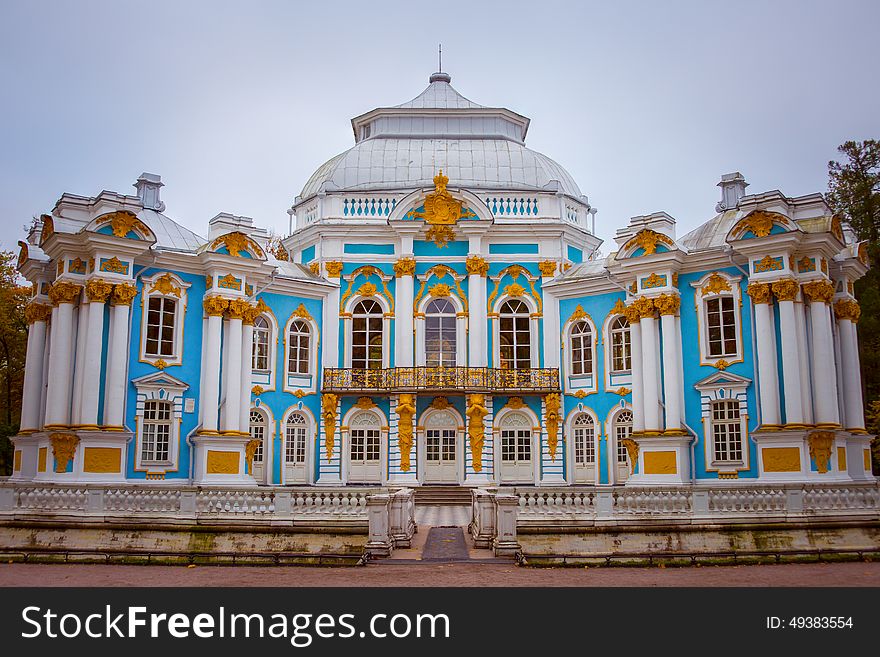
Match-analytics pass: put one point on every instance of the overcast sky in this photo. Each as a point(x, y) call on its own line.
point(235, 104)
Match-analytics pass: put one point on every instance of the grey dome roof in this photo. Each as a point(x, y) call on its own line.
point(401, 148)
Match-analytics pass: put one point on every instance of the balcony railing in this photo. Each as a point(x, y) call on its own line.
point(441, 379)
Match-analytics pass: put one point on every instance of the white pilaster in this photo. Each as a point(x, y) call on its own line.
point(792, 378)
point(768, 377)
point(61, 360)
point(232, 376)
point(210, 393)
point(478, 355)
point(650, 367)
point(330, 311)
point(638, 384)
point(551, 329)
point(117, 355)
point(824, 374)
point(81, 321)
point(804, 359)
point(33, 373)
point(852, 381)
point(97, 292)
point(403, 325)
point(244, 413)
point(672, 392)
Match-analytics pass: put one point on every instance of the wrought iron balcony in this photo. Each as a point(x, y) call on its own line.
point(441, 379)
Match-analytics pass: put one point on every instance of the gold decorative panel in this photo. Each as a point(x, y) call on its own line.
point(781, 459)
point(42, 457)
point(660, 463)
point(223, 462)
point(102, 459)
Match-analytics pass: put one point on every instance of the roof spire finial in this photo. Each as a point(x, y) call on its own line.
point(440, 57)
point(440, 76)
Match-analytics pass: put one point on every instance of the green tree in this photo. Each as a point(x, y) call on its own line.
point(13, 345)
point(854, 193)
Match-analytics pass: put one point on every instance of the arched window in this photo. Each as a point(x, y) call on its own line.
point(156, 436)
point(584, 440)
point(258, 432)
point(623, 427)
point(621, 360)
point(581, 349)
point(262, 333)
point(295, 439)
point(440, 334)
point(161, 319)
point(515, 335)
point(366, 338)
point(298, 341)
point(721, 326)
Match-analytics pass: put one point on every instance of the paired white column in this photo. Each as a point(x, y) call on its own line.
point(551, 317)
point(478, 349)
point(38, 316)
point(847, 315)
point(404, 269)
point(210, 393)
point(331, 322)
point(786, 291)
point(800, 316)
point(247, 350)
point(672, 386)
point(824, 374)
point(765, 336)
point(98, 292)
point(650, 365)
point(232, 375)
point(638, 384)
point(117, 355)
point(60, 378)
point(81, 321)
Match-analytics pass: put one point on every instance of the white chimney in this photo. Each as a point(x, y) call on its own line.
point(148, 186)
point(733, 188)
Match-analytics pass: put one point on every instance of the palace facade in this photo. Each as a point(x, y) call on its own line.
point(440, 313)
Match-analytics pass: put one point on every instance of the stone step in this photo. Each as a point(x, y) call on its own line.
point(443, 495)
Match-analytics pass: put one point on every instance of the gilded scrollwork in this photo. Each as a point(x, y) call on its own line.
point(406, 409)
point(476, 411)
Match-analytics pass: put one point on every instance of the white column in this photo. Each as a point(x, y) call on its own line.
point(638, 384)
point(81, 321)
point(650, 367)
point(117, 356)
point(551, 328)
point(852, 380)
point(672, 392)
point(247, 350)
point(477, 269)
point(232, 375)
point(210, 393)
point(822, 353)
point(804, 359)
point(461, 320)
point(786, 290)
point(330, 327)
point(63, 295)
point(765, 335)
point(403, 324)
point(32, 390)
point(97, 292)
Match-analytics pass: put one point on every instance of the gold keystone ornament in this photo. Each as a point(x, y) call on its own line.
point(441, 212)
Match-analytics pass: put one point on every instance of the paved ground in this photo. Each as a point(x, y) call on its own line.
point(461, 574)
point(443, 516)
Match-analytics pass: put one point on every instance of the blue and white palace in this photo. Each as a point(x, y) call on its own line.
point(440, 313)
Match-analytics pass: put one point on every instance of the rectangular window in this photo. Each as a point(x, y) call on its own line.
point(516, 446)
point(156, 434)
point(721, 325)
point(161, 313)
point(364, 445)
point(727, 431)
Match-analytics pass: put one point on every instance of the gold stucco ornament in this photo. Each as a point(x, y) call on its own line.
point(476, 411)
point(334, 268)
point(759, 292)
point(649, 240)
point(237, 242)
point(440, 290)
point(98, 290)
point(165, 285)
point(632, 451)
point(551, 420)
point(759, 223)
point(122, 223)
point(547, 267)
point(785, 289)
point(406, 409)
point(405, 267)
point(441, 209)
point(63, 448)
point(37, 312)
point(644, 306)
point(249, 451)
point(667, 304)
point(848, 309)
point(820, 449)
point(819, 291)
point(215, 306)
point(64, 292)
point(123, 293)
point(715, 285)
point(328, 412)
point(476, 265)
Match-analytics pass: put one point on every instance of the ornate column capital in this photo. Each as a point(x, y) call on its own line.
point(405, 267)
point(249, 316)
point(848, 309)
point(476, 265)
point(64, 292)
point(819, 291)
point(759, 292)
point(37, 312)
point(334, 268)
point(644, 307)
point(547, 268)
point(632, 314)
point(215, 306)
point(123, 293)
point(237, 308)
point(785, 289)
point(98, 290)
point(667, 304)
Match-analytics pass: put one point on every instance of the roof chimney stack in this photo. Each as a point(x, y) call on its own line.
point(148, 186)
point(733, 188)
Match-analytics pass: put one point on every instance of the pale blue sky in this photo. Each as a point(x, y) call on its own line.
point(236, 103)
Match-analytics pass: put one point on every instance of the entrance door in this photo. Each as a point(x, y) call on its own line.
point(441, 465)
point(623, 426)
point(364, 465)
point(517, 465)
point(295, 443)
point(584, 449)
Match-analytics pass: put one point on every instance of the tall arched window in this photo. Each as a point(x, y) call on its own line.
point(621, 360)
point(298, 343)
point(366, 338)
point(262, 331)
point(623, 428)
point(515, 335)
point(440, 334)
point(156, 436)
point(295, 439)
point(584, 440)
point(581, 349)
point(258, 432)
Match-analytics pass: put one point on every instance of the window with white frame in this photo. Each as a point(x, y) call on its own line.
point(262, 336)
point(721, 330)
point(156, 432)
point(366, 335)
point(440, 334)
point(727, 436)
point(584, 440)
point(365, 444)
point(516, 439)
point(258, 432)
point(515, 335)
point(298, 344)
point(621, 358)
point(623, 428)
point(581, 349)
point(161, 327)
point(295, 439)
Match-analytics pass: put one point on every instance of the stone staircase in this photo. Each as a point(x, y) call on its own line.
point(442, 496)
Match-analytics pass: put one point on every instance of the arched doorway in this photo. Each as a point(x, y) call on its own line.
point(441, 449)
point(517, 457)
